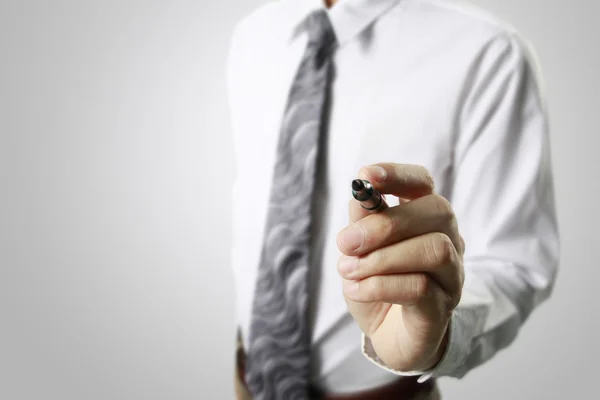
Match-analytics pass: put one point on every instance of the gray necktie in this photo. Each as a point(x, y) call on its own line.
point(277, 366)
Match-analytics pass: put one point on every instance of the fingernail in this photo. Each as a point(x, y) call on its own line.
point(378, 173)
point(347, 265)
point(350, 287)
point(352, 237)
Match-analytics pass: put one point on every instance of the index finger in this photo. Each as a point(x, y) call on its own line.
point(408, 181)
point(405, 181)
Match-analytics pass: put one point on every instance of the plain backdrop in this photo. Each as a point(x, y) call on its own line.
point(115, 165)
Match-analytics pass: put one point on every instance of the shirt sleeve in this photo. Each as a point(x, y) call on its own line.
point(503, 195)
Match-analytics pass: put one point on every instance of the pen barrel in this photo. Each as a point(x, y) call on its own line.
point(369, 198)
point(374, 202)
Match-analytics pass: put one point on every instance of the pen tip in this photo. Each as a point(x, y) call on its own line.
point(357, 185)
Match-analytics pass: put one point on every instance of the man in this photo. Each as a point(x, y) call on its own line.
point(439, 107)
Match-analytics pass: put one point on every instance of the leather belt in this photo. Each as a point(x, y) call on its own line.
point(405, 388)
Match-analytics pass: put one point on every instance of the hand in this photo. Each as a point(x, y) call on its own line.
point(402, 268)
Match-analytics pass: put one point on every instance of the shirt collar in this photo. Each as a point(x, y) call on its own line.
point(348, 17)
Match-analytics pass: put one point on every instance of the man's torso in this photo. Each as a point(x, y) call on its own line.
point(396, 97)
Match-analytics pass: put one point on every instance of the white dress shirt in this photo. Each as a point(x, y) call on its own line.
point(417, 82)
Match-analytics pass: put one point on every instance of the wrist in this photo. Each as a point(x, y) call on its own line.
point(441, 350)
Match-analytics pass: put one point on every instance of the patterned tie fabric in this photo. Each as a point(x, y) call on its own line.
point(277, 366)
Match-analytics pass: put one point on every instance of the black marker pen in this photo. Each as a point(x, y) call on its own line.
point(370, 199)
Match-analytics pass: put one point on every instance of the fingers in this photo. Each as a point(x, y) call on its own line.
point(404, 181)
point(431, 213)
point(404, 289)
point(405, 254)
point(401, 180)
point(432, 253)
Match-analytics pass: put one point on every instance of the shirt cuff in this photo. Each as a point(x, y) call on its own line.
point(452, 362)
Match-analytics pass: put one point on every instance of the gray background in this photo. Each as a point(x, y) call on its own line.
point(114, 276)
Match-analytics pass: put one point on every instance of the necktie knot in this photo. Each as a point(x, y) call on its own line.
point(320, 30)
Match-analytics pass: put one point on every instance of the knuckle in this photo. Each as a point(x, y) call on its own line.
point(440, 249)
point(386, 225)
point(443, 207)
point(454, 300)
point(372, 288)
point(426, 178)
point(420, 286)
point(374, 261)
point(428, 254)
point(448, 303)
point(447, 251)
